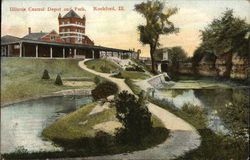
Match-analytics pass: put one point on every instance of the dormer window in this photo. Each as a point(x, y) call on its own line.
point(52, 38)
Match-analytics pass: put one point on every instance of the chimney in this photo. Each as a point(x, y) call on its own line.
point(29, 30)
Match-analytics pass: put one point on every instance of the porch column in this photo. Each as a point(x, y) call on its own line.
point(20, 49)
point(8, 52)
point(24, 50)
point(36, 51)
point(75, 53)
point(51, 52)
point(63, 52)
point(93, 54)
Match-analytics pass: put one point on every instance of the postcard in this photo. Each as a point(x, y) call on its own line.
point(117, 79)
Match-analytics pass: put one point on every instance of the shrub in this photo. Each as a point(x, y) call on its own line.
point(118, 75)
point(135, 117)
point(45, 74)
point(103, 90)
point(134, 68)
point(97, 80)
point(58, 80)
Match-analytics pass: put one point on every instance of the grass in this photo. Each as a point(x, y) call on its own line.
point(131, 75)
point(136, 89)
point(68, 127)
point(21, 77)
point(102, 65)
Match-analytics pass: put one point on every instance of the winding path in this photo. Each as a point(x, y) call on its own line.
point(183, 136)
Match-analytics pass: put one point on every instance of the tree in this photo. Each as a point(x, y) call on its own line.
point(135, 117)
point(104, 89)
point(157, 24)
point(177, 54)
point(227, 35)
point(58, 80)
point(45, 74)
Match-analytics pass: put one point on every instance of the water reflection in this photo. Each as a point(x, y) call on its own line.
point(22, 123)
point(212, 100)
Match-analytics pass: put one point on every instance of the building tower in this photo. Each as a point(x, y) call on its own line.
point(72, 28)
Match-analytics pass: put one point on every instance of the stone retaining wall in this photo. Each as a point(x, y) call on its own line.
point(240, 68)
point(51, 94)
point(157, 81)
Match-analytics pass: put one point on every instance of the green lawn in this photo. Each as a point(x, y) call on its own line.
point(69, 127)
point(102, 65)
point(132, 75)
point(21, 77)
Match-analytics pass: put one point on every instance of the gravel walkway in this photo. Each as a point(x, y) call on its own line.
point(183, 137)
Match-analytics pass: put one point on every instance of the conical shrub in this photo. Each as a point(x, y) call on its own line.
point(45, 74)
point(58, 80)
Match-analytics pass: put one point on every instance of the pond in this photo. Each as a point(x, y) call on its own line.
point(213, 96)
point(22, 123)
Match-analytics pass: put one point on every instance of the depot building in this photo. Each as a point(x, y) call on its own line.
point(70, 42)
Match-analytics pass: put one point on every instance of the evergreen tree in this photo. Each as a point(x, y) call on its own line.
point(45, 74)
point(58, 80)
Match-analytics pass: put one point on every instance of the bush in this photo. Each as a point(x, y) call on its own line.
point(97, 80)
point(134, 116)
point(45, 74)
point(58, 80)
point(134, 68)
point(104, 89)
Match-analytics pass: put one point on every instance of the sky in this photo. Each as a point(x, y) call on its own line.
point(118, 29)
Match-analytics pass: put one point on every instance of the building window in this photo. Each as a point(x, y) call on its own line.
point(86, 41)
point(17, 46)
point(63, 30)
point(68, 22)
point(68, 39)
point(62, 22)
point(52, 38)
point(68, 30)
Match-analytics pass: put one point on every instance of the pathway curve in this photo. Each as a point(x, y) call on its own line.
point(183, 136)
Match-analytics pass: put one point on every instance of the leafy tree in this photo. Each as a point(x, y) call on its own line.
point(45, 74)
point(58, 80)
point(104, 89)
point(157, 24)
point(135, 117)
point(227, 35)
point(177, 54)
